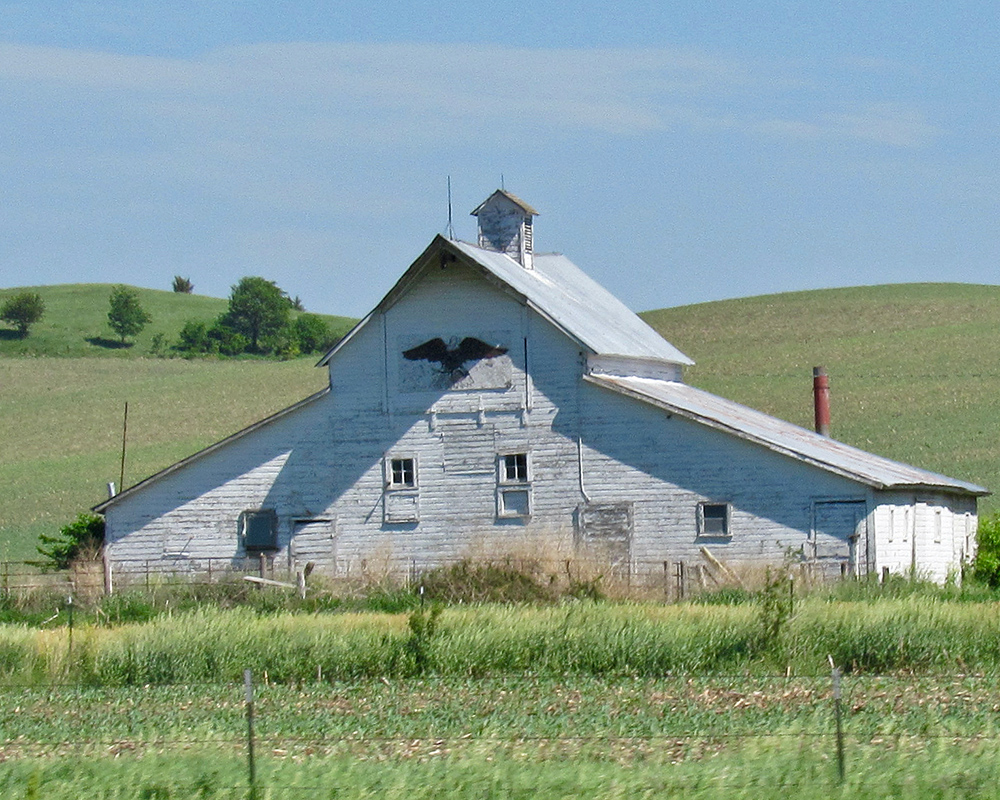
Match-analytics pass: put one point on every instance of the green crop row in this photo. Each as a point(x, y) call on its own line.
point(575, 736)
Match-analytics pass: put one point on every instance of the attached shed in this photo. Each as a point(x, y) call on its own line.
point(498, 396)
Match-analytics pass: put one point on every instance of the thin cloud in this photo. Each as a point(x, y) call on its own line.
point(416, 95)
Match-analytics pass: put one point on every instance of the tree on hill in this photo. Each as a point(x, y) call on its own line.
point(126, 316)
point(182, 285)
point(22, 311)
point(258, 310)
point(313, 333)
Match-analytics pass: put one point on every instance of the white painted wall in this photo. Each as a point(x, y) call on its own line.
point(322, 467)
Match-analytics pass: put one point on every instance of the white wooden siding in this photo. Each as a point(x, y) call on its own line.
point(321, 467)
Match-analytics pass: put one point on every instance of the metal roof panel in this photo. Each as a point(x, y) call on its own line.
point(781, 436)
point(578, 304)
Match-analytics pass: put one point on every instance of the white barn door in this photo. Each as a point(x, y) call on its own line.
point(314, 540)
point(839, 537)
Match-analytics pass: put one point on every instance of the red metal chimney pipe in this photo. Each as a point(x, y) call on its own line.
point(821, 400)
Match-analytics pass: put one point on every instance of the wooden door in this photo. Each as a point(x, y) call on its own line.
point(314, 540)
point(839, 537)
point(604, 534)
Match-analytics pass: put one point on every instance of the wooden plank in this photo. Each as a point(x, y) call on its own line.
point(267, 582)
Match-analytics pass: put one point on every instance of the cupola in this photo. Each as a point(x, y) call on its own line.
point(505, 226)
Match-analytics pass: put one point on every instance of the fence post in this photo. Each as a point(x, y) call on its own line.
point(251, 764)
point(69, 609)
point(108, 579)
point(836, 713)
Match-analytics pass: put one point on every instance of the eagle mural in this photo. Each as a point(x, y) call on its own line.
point(453, 362)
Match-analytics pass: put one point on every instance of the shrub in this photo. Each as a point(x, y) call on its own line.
point(157, 344)
point(312, 333)
point(82, 538)
point(227, 341)
point(484, 582)
point(194, 338)
point(986, 566)
point(23, 310)
point(182, 285)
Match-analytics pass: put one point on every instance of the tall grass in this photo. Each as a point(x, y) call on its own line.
point(583, 638)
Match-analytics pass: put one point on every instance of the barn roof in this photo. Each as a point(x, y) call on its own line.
point(558, 290)
point(782, 437)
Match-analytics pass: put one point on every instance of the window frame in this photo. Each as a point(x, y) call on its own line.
point(514, 468)
point(407, 466)
point(244, 527)
point(400, 500)
point(726, 517)
point(514, 478)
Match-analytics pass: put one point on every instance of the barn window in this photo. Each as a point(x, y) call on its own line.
point(713, 519)
point(400, 500)
point(259, 530)
point(515, 468)
point(513, 486)
point(402, 473)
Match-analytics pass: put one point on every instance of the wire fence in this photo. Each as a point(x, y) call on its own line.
point(666, 720)
point(664, 580)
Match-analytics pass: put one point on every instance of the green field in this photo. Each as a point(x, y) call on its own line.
point(506, 738)
point(75, 323)
point(63, 391)
point(571, 701)
point(914, 373)
point(914, 369)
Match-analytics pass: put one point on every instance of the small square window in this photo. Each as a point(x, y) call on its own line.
point(714, 519)
point(515, 503)
point(400, 500)
point(259, 530)
point(402, 473)
point(514, 468)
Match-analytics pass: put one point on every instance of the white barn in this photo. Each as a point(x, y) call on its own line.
point(497, 396)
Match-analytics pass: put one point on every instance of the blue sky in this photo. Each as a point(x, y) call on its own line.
point(678, 153)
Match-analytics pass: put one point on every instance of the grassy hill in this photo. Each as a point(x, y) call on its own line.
point(914, 373)
point(914, 369)
point(75, 323)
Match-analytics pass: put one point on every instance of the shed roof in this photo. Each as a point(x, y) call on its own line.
point(783, 437)
point(558, 290)
point(513, 198)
